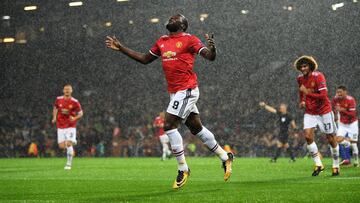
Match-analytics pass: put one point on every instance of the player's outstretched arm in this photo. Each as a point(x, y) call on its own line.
point(54, 114)
point(267, 107)
point(293, 125)
point(114, 44)
point(210, 52)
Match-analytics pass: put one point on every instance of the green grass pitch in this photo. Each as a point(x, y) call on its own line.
point(150, 180)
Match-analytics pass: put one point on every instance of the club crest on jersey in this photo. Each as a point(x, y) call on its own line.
point(179, 44)
point(169, 54)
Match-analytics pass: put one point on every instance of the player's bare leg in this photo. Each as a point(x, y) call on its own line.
point(341, 140)
point(313, 150)
point(194, 124)
point(172, 122)
point(334, 148)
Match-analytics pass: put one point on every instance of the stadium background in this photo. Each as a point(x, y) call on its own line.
point(256, 40)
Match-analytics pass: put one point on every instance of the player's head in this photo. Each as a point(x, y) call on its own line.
point(67, 90)
point(176, 23)
point(305, 64)
point(341, 91)
point(283, 108)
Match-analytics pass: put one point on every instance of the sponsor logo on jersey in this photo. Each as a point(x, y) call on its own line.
point(169, 54)
point(179, 44)
point(65, 111)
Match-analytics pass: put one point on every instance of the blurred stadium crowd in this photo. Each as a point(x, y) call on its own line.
point(120, 98)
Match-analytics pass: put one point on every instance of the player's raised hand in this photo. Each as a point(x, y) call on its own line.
point(262, 104)
point(210, 41)
point(113, 43)
point(53, 121)
point(302, 105)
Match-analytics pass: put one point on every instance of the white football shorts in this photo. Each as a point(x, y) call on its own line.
point(352, 130)
point(326, 122)
point(183, 102)
point(164, 139)
point(66, 134)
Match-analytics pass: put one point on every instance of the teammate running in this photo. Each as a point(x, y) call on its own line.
point(67, 111)
point(318, 112)
point(177, 52)
point(345, 106)
point(160, 133)
point(285, 120)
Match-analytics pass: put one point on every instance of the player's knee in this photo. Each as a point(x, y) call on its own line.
point(169, 126)
point(62, 145)
point(68, 144)
point(194, 126)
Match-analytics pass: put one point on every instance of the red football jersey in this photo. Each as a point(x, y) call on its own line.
point(159, 124)
point(178, 55)
point(348, 103)
point(66, 108)
point(317, 101)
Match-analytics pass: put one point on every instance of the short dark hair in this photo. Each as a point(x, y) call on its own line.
point(342, 87)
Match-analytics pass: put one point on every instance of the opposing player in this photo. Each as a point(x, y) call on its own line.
point(318, 112)
point(160, 133)
point(345, 106)
point(67, 111)
point(177, 52)
point(284, 120)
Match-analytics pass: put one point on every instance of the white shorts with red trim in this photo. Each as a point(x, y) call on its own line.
point(326, 122)
point(66, 134)
point(183, 102)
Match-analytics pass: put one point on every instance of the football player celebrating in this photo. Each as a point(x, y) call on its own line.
point(345, 106)
point(177, 52)
point(67, 111)
point(318, 112)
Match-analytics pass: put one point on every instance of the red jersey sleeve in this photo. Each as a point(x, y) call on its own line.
point(196, 45)
point(56, 104)
point(77, 107)
point(155, 50)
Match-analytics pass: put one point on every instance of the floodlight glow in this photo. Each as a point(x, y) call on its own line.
point(76, 3)
point(30, 8)
point(108, 24)
point(6, 17)
point(244, 12)
point(131, 22)
point(122, 0)
point(336, 6)
point(154, 20)
point(8, 40)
